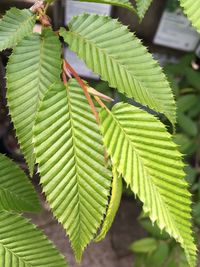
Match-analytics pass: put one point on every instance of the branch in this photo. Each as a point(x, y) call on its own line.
point(101, 103)
point(64, 78)
point(37, 6)
point(66, 71)
point(40, 8)
point(90, 89)
point(98, 94)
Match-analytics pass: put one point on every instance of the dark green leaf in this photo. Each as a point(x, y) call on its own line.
point(34, 65)
point(16, 191)
point(23, 245)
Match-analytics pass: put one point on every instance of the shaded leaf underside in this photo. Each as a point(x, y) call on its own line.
point(34, 65)
point(23, 245)
point(16, 191)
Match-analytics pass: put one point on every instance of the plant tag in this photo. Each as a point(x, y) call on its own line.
point(175, 30)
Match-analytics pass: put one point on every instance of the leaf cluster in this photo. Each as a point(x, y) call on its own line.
point(82, 148)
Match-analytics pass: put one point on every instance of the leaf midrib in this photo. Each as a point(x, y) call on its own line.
point(76, 161)
point(38, 90)
point(28, 264)
point(42, 42)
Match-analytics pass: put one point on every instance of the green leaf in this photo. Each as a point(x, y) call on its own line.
point(192, 77)
point(34, 65)
point(187, 124)
point(139, 261)
point(145, 245)
point(191, 174)
point(110, 50)
point(150, 163)
point(176, 258)
point(121, 3)
point(14, 26)
point(23, 245)
point(70, 154)
point(142, 7)
point(186, 145)
point(159, 256)
point(196, 213)
point(113, 205)
point(195, 111)
point(187, 102)
point(192, 10)
point(16, 191)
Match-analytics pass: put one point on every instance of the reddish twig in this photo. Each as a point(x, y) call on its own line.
point(84, 87)
point(90, 89)
point(101, 103)
point(66, 67)
point(44, 20)
point(37, 6)
point(100, 95)
point(40, 9)
point(64, 78)
point(66, 70)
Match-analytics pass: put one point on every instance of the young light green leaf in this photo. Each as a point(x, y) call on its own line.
point(23, 245)
point(150, 163)
point(110, 50)
point(34, 65)
point(70, 154)
point(16, 191)
point(113, 205)
point(14, 26)
point(192, 10)
point(121, 3)
point(145, 245)
point(142, 7)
